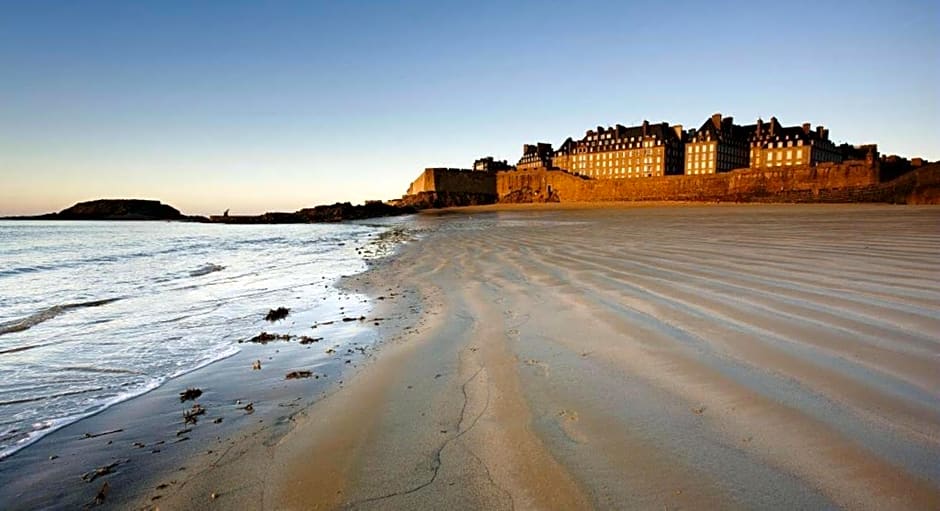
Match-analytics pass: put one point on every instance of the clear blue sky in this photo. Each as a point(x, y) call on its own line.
point(260, 106)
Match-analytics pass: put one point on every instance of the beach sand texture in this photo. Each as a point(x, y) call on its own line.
point(772, 357)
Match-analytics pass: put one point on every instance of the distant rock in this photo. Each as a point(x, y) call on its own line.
point(118, 209)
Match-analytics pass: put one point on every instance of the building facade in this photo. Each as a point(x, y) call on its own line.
point(772, 145)
point(488, 164)
point(619, 152)
point(561, 159)
point(536, 156)
point(718, 146)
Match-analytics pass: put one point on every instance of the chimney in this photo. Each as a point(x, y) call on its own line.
point(678, 129)
point(716, 120)
point(760, 126)
point(807, 128)
point(825, 134)
point(646, 127)
point(773, 124)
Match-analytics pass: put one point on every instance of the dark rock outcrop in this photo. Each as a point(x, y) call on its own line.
point(346, 211)
point(527, 196)
point(338, 212)
point(436, 200)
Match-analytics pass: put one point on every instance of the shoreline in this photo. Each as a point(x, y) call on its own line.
point(518, 389)
point(528, 364)
point(146, 434)
point(247, 448)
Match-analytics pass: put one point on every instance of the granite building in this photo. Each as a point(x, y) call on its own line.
point(562, 157)
point(536, 156)
point(772, 145)
point(488, 164)
point(619, 152)
point(718, 146)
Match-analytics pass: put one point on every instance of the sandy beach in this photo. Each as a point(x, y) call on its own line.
point(644, 358)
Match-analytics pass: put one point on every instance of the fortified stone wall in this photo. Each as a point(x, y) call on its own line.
point(921, 186)
point(424, 183)
point(454, 181)
point(742, 185)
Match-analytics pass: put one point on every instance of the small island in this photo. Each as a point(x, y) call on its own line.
point(115, 209)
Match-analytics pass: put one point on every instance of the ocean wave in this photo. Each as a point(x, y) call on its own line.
point(25, 438)
point(24, 269)
point(31, 399)
point(105, 259)
point(40, 429)
point(34, 319)
point(206, 269)
point(92, 369)
point(17, 349)
point(267, 241)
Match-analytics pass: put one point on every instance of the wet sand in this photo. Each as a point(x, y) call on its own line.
point(643, 358)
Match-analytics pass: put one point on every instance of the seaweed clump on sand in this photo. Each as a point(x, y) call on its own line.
point(264, 338)
point(277, 314)
point(191, 416)
point(294, 375)
point(190, 394)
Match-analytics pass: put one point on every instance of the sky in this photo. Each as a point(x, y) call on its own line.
point(274, 106)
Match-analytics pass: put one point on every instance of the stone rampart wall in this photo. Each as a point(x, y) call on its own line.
point(741, 185)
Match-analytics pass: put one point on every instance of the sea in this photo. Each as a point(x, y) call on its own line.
point(96, 313)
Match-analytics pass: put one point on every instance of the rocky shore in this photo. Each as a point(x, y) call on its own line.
point(337, 212)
